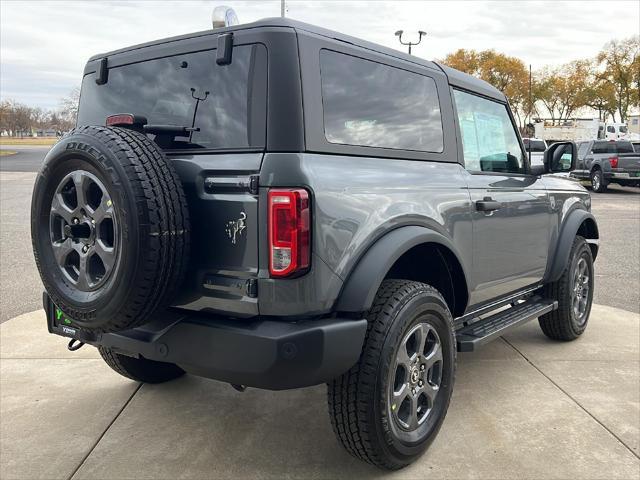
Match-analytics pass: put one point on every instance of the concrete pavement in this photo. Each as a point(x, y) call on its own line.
point(523, 407)
point(20, 285)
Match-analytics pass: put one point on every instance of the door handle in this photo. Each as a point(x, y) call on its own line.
point(487, 204)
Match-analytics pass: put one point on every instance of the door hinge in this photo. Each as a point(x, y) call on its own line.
point(254, 184)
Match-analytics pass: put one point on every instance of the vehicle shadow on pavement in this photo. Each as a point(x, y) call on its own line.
point(567, 410)
point(507, 418)
point(617, 190)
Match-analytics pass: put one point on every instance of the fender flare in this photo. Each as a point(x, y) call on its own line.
point(361, 286)
point(565, 240)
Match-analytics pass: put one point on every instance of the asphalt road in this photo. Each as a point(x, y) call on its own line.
point(617, 266)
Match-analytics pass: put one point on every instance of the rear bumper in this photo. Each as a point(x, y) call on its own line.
point(623, 178)
point(260, 353)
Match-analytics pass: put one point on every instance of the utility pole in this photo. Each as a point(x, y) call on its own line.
point(410, 44)
point(282, 8)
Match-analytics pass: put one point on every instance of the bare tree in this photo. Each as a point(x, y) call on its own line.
point(68, 109)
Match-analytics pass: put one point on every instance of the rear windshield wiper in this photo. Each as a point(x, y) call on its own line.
point(175, 130)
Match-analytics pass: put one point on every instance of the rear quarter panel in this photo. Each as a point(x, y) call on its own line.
point(356, 200)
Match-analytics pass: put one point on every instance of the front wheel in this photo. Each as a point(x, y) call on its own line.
point(388, 408)
point(574, 293)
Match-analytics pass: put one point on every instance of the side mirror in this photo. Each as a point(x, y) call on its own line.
point(560, 157)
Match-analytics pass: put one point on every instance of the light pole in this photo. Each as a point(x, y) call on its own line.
point(420, 33)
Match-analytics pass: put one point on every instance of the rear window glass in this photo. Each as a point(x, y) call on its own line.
point(612, 147)
point(225, 103)
point(371, 104)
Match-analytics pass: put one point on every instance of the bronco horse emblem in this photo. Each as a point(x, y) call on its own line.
point(234, 228)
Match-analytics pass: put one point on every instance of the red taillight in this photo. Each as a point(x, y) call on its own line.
point(614, 162)
point(120, 119)
point(289, 234)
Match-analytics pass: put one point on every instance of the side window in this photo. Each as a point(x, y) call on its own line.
point(370, 104)
point(611, 129)
point(582, 149)
point(489, 140)
point(602, 147)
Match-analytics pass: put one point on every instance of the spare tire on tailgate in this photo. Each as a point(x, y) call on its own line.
point(109, 227)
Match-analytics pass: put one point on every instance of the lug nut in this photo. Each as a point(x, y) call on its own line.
point(420, 383)
point(413, 390)
point(93, 221)
point(422, 367)
point(85, 249)
point(75, 221)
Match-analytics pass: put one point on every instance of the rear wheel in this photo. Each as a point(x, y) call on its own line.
point(598, 183)
point(140, 369)
point(388, 408)
point(574, 293)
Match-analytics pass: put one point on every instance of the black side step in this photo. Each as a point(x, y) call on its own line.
point(483, 331)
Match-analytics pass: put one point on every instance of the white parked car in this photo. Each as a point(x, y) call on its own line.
point(616, 131)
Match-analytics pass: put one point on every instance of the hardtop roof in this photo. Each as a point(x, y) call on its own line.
point(455, 77)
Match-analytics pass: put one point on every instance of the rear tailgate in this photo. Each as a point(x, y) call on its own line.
point(628, 162)
point(224, 107)
point(222, 194)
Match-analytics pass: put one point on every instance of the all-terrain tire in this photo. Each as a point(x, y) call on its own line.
point(564, 323)
point(140, 369)
point(359, 404)
point(598, 182)
point(149, 228)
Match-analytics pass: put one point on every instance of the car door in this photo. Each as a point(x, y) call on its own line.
point(510, 206)
point(581, 170)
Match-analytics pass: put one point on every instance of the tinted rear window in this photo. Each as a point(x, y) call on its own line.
point(226, 102)
point(612, 147)
point(371, 104)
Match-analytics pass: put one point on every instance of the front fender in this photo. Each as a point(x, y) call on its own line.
point(364, 280)
point(570, 228)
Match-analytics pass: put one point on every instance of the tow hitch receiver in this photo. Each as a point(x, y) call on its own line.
point(75, 344)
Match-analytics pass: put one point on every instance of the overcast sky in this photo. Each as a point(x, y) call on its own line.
point(44, 45)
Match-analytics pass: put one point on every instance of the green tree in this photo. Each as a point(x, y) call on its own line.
point(621, 70)
point(600, 94)
point(507, 74)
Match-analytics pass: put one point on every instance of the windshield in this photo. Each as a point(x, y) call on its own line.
point(224, 103)
point(534, 145)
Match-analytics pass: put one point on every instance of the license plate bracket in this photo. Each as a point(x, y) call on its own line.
point(60, 324)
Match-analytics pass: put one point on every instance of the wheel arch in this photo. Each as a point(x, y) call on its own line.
point(579, 222)
point(404, 253)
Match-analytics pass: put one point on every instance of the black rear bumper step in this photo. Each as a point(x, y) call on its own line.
point(258, 352)
point(483, 331)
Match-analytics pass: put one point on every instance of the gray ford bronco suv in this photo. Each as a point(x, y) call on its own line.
point(275, 205)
